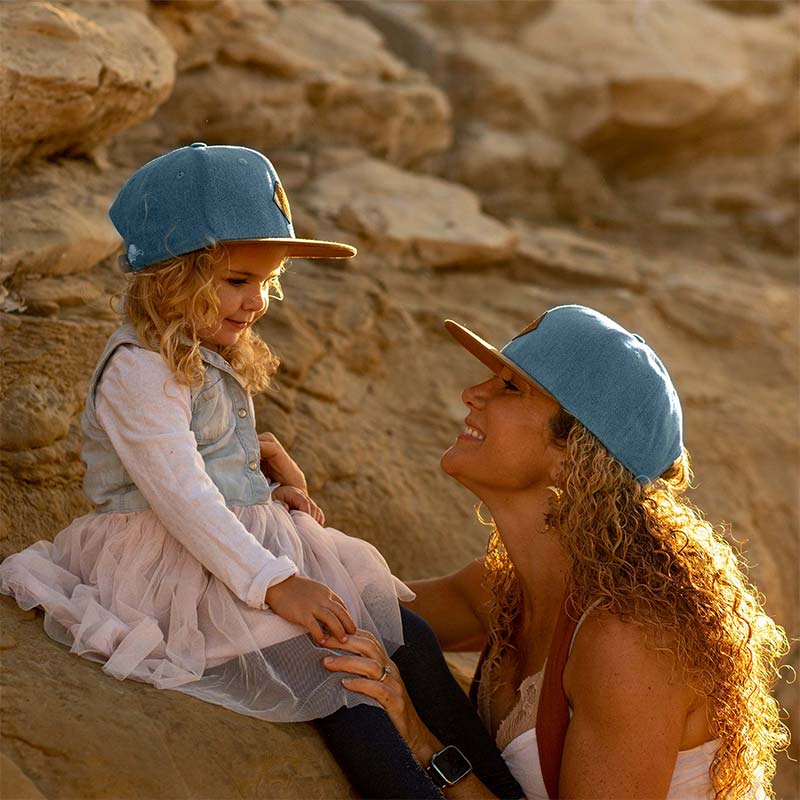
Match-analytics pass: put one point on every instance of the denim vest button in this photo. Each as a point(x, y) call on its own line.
point(253, 465)
point(242, 412)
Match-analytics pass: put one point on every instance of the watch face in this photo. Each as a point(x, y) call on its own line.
point(451, 764)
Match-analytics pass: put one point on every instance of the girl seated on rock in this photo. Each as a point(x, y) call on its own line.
point(196, 572)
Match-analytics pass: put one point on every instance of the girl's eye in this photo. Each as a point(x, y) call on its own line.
point(237, 281)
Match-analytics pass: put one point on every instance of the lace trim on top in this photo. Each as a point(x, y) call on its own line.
point(522, 716)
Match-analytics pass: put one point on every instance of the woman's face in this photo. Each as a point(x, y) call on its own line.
point(242, 280)
point(506, 446)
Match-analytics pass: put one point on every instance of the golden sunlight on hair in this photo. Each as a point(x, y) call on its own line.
point(168, 304)
point(646, 555)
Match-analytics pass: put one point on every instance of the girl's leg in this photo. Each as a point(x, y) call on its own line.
point(374, 756)
point(445, 708)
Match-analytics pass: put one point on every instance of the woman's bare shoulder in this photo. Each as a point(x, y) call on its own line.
point(623, 656)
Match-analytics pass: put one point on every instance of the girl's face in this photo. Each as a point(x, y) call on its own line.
point(242, 280)
point(506, 446)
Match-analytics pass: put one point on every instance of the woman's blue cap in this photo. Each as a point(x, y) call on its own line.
point(609, 379)
point(200, 195)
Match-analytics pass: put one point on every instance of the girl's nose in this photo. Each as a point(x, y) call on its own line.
point(256, 301)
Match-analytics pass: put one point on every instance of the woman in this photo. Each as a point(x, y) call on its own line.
point(597, 569)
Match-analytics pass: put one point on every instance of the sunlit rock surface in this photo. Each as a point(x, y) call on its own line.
point(489, 160)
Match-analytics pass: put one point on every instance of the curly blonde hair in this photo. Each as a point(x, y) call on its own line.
point(646, 555)
point(170, 303)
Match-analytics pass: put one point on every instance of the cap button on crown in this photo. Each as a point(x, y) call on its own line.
point(198, 144)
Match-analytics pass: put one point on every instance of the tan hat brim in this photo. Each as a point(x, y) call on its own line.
point(310, 248)
point(486, 353)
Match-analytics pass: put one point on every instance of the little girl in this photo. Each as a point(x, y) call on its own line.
point(195, 571)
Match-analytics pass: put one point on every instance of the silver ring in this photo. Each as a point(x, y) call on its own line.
point(387, 671)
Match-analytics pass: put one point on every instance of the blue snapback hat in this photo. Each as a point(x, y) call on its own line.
point(201, 195)
point(609, 379)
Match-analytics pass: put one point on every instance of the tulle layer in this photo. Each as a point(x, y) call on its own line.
point(120, 590)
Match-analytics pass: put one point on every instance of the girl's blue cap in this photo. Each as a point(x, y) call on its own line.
point(609, 379)
point(200, 195)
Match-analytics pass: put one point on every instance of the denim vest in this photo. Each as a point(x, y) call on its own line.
point(223, 423)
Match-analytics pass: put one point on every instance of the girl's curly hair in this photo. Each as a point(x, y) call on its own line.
point(646, 555)
point(170, 303)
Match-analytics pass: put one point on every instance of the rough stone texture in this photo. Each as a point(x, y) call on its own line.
point(334, 84)
point(661, 190)
point(649, 79)
point(55, 220)
point(73, 76)
point(546, 255)
point(417, 220)
point(99, 737)
point(633, 85)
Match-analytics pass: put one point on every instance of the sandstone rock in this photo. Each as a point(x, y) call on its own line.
point(292, 339)
point(559, 109)
point(105, 737)
point(513, 172)
point(15, 783)
point(583, 195)
point(46, 378)
point(55, 219)
point(504, 86)
point(756, 197)
point(335, 85)
point(649, 80)
point(501, 20)
point(68, 290)
point(404, 29)
point(774, 228)
point(552, 255)
point(749, 6)
point(426, 221)
point(702, 304)
point(34, 415)
point(72, 76)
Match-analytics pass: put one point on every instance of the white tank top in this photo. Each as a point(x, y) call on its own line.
point(516, 739)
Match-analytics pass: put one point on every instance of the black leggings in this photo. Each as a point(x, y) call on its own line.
point(377, 760)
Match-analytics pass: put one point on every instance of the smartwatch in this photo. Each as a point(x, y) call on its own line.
point(448, 767)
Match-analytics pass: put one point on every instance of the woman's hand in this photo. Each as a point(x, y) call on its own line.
point(277, 464)
point(381, 680)
point(296, 499)
point(312, 605)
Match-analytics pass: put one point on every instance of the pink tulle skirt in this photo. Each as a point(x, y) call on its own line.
point(121, 590)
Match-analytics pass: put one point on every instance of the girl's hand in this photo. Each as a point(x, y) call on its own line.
point(381, 680)
point(277, 464)
point(294, 498)
point(312, 605)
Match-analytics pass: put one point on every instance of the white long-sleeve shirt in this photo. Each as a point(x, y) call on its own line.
point(146, 414)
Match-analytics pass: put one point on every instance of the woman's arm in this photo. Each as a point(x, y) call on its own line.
point(629, 714)
point(370, 662)
point(456, 607)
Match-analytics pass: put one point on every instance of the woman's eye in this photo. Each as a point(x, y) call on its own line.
point(237, 281)
point(511, 385)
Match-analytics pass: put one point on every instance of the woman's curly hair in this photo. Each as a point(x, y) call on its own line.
point(646, 555)
point(170, 303)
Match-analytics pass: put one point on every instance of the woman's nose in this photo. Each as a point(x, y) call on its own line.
point(475, 396)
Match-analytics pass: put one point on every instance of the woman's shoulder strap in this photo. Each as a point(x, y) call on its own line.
point(552, 717)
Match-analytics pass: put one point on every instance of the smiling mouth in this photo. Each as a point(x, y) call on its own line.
point(472, 434)
point(236, 323)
